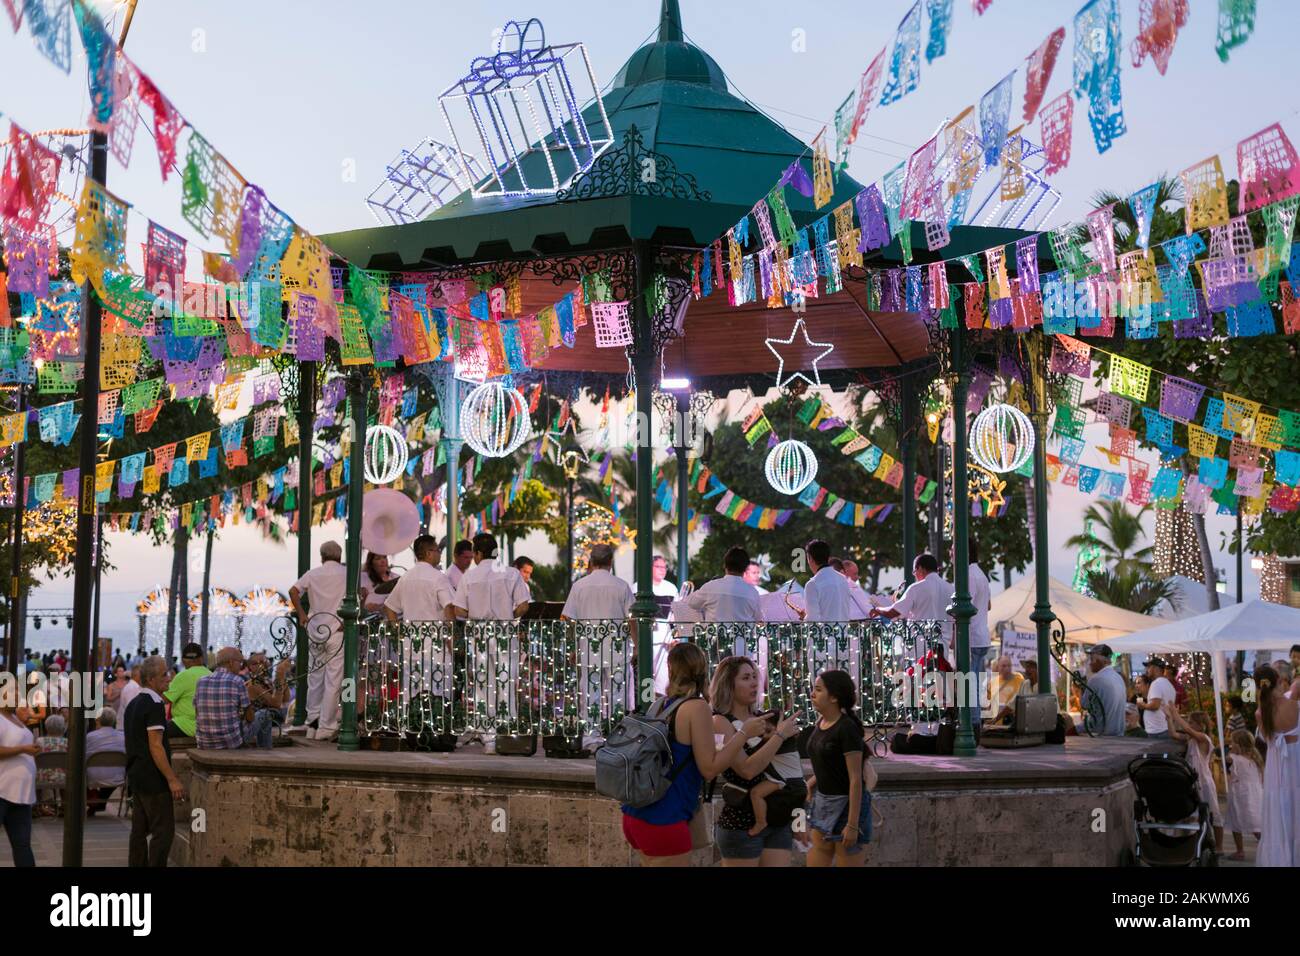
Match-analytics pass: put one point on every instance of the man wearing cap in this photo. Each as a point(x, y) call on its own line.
point(1154, 720)
point(1030, 686)
point(1108, 684)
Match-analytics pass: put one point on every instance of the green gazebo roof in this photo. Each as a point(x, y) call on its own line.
point(715, 155)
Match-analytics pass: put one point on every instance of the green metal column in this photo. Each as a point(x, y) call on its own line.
point(449, 400)
point(306, 421)
point(1042, 615)
point(643, 609)
point(683, 486)
point(961, 608)
point(350, 609)
point(907, 447)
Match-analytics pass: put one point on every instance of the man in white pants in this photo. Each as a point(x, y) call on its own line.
point(490, 593)
point(597, 596)
point(663, 631)
point(324, 587)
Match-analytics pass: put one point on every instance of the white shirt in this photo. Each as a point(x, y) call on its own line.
point(17, 773)
point(826, 596)
point(421, 594)
point(105, 740)
point(727, 598)
point(761, 590)
point(979, 596)
point(324, 586)
point(925, 600)
point(489, 593)
point(454, 574)
point(599, 596)
point(127, 695)
point(861, 601)
point(664, 588)
point(1155, 721)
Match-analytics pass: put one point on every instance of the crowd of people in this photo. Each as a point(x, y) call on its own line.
point(716, 731)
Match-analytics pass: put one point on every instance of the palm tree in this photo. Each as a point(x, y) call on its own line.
point(1134, 590)
point(1120, 534)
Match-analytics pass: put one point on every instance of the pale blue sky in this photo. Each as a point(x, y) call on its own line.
point(311, 99)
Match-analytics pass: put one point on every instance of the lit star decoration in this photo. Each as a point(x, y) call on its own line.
point(781, 380)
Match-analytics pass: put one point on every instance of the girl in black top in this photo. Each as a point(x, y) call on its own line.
point(840, 817)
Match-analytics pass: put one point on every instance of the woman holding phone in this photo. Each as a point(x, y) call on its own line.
point(735, 694)
point(840, 817)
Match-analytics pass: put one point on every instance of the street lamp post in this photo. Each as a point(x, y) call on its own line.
point(350, 609)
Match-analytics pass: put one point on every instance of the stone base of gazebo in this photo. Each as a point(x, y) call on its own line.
point(310, 805)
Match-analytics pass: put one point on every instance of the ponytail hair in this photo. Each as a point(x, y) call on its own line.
point(842, 690)
point(1266, 683)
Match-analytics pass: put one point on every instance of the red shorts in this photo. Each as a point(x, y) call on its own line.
point(669, 839)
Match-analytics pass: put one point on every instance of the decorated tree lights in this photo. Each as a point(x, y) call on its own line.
point(495, 420)
point(791, 466)
point(386, 454)
point(1001, 438)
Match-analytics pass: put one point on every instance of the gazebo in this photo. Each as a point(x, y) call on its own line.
point(689, 159)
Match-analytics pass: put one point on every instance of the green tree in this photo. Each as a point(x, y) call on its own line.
point(1134, 590)
point(1119, 536)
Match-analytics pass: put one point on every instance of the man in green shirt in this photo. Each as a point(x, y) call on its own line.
point(181, 692)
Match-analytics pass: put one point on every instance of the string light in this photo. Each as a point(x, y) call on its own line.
point(1177, 551)
point(1001, 438)
point(494, 420)
point(791, 467)
point(386, 454)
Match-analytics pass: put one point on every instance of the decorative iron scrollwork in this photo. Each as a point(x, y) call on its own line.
point(1094, 715)
point(633, 170)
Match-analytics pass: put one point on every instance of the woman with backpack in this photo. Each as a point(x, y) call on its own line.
point(840, 817)
point(661, 831)
point(735, 695)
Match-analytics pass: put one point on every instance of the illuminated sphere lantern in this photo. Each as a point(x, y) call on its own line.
point(791, 467)
point(494, 420)
point(1001, 438)
point(386, 454)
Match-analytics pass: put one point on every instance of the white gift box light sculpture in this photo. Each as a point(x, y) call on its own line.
point(386, 454)
point(1001, 438)
point(420, 181)
point(495, 420)
point(522, 111)
point(791, 467)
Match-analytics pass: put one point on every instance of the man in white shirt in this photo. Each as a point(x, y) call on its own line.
point(324, 587)
point(663, 631)
point(926, 598)
point(486, 592)
point(490, 593)
point(826, 595)
point(130, 690)
point(460, 562)
point(423, 594)
point(597, 596)
point(861, 609)
point(728, 598)
point(1154, 720)
point(980, 640)
point(754, 574)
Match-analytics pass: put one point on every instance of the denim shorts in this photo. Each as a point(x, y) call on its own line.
point(739, 845)
point(830, 813)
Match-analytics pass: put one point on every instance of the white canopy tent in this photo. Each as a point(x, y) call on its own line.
point(1086, 620)
point(1254, 625)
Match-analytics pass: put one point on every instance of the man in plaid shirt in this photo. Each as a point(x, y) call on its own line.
point(224, 716)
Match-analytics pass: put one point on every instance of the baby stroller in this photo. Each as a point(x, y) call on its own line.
point(1171, 819)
